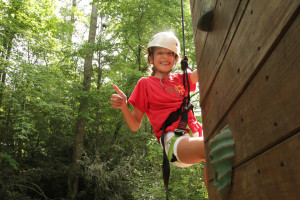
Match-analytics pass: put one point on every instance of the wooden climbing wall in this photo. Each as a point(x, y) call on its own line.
point(249, 78)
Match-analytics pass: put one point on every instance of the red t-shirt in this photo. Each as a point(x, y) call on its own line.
point(158, 98)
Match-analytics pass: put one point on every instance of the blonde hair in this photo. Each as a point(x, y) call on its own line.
point(151, 67)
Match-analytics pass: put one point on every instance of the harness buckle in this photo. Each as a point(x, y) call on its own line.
point(190, 106)
point(179, 132)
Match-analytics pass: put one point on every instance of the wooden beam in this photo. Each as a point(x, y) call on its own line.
point(261, 28)
point(268, 111)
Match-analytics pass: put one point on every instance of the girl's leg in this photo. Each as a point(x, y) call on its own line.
point(190, 151)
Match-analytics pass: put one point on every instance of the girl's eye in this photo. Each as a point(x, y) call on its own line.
point(169, 53)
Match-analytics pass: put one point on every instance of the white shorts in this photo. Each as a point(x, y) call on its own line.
point(168, 136)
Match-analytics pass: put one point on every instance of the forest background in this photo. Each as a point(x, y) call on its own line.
point(59, 136)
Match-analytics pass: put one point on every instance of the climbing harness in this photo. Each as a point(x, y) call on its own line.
point(181, 113)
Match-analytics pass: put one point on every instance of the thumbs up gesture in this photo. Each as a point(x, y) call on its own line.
point(118, 100)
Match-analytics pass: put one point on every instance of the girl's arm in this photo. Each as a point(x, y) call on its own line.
point(194, 77)
point(133, 119)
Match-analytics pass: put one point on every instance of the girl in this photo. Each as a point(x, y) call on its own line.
point(158, 96)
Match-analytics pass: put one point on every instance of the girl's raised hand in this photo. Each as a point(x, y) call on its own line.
point(119, 100)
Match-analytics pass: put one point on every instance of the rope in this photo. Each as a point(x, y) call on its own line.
point(182, 22)
point(166, 164)
point(184, 62)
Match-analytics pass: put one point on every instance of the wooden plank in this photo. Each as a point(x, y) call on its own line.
point(269, 109)
point(225, 13)
point(274, 175)
point(206, 85)
point(197, 8)
point(261, 27)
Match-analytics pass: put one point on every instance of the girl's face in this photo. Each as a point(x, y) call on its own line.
point(163, 59)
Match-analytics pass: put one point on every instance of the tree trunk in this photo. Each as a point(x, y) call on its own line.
point(83, 110)
point(5, 57)
point(74, 5)
point(98, 120)
point(99, 83)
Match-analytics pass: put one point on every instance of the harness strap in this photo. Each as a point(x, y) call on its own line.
point(166, 164)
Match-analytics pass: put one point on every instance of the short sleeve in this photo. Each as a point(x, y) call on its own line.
point(139, 96)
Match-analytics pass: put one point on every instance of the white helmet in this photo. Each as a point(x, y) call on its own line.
point(167, 40)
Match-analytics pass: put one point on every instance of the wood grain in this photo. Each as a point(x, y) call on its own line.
point(269, 109)
point(197, 8)
point(260, 30)
point(225, 13)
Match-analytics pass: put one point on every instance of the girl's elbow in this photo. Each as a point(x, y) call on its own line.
point(135, 128)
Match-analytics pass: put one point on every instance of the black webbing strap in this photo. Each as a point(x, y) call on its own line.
point(173, 117)
point(184, 117)
point(184, 67)
point(186, 105)
point(166, 164)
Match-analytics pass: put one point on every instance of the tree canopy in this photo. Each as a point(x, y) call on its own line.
point(48, 87)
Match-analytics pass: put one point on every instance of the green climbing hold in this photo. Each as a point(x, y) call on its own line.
point(221, 155)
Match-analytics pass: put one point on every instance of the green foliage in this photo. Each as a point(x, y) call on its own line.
point(6, 159)
point(109, 179)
